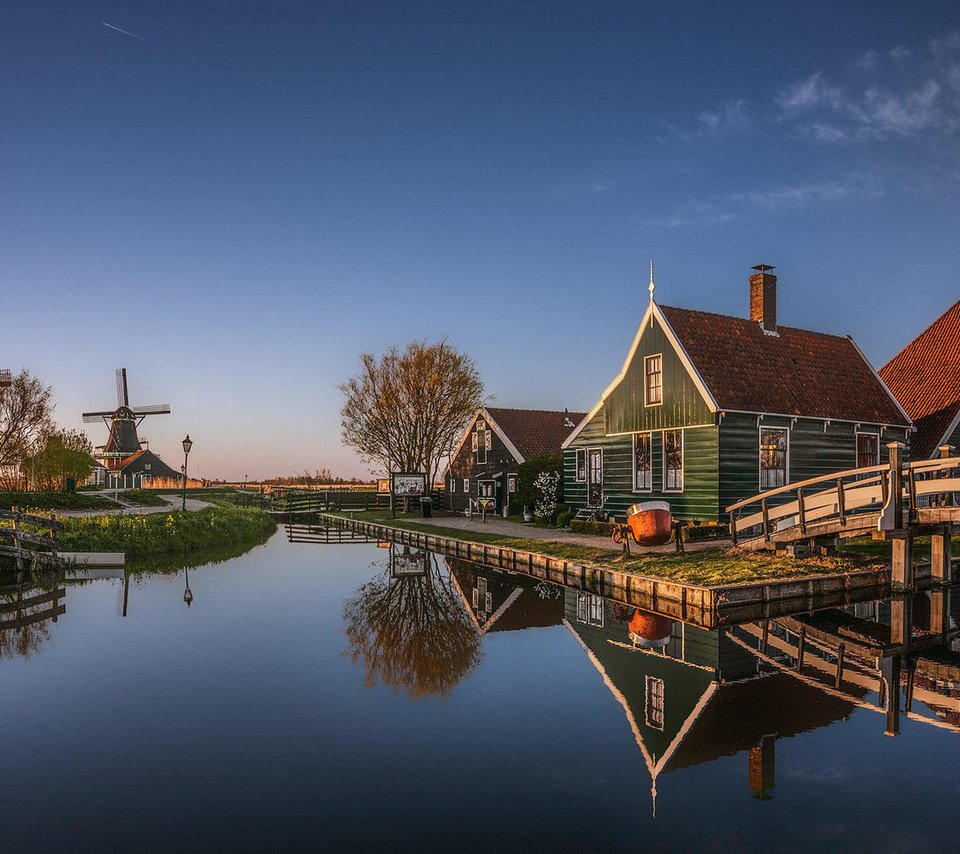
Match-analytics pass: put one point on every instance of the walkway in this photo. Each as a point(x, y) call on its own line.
point(503, 527)
point(137, 510)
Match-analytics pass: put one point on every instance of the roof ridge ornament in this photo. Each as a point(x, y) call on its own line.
point(652, 286)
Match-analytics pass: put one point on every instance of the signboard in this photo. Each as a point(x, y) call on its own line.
point(488, 503)
point(407, 564)
point(408, 484)
point(383, 485)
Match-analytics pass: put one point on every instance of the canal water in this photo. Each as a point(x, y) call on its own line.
point(358, 697)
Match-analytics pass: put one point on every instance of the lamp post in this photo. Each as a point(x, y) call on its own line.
point(187, 445)
point(187, 593)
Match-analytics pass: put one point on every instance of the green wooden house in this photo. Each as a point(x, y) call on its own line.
point(709, 409)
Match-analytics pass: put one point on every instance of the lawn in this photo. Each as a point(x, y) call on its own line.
point(709, 568)
point(55, 501)
point(144, 497)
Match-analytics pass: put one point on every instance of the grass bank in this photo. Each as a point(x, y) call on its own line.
point(151, 536)
point(55, 501)
point(705, 568)
point(144, 497)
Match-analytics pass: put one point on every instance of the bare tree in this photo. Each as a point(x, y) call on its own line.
point(25, 410)
point(405, 410)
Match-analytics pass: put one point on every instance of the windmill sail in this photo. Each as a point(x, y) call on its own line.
point(123, 397)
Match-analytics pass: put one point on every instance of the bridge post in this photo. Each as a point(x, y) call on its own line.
point(901, 571)
point(941, 546)
point(896, 482)
point(890, 678)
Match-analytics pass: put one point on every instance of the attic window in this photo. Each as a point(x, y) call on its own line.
point(653, 704)
point(653, 380)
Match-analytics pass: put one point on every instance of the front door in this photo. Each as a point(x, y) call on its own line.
point(595, 477)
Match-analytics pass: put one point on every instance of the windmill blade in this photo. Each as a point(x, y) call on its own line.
point(156, 409)
point(123, 399)
point(90, 417)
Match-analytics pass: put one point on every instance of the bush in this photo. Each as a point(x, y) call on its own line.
point(584, 526)
point(705, 532)
point(527, 493)
point(563, 518)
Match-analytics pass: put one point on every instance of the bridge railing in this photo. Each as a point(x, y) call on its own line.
point(844, 495)
point(852, 500)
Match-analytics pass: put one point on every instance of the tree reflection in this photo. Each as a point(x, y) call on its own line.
point(411, 633)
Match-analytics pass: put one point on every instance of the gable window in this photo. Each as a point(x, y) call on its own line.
point(481, 442)
point(868, 450)
point(581, 474)
point(773, 457)
point(642, 462)
point(673, 460)
point(466, 484)
point(653, 705)
point(653, 380)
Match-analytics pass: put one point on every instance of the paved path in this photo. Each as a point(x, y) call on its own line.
point(136, 510)
point(499, 525)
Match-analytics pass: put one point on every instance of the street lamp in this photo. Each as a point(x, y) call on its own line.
point(187, 593)
point(187, 445)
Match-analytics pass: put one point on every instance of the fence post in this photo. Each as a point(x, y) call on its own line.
point(896, 482)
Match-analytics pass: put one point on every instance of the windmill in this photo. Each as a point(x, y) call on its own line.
point(123, 421)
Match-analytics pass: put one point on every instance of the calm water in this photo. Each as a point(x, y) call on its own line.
point(309, 699)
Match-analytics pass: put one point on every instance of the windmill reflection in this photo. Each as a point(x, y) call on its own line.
point(408, 629)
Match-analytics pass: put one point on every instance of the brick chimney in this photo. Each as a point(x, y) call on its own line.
point(763, 297)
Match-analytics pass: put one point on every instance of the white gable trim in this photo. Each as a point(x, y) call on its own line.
point(879, 379)
point(482, 411)
point(653, 311)
point(946, 436)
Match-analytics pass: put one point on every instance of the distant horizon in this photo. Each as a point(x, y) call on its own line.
point(235, 205)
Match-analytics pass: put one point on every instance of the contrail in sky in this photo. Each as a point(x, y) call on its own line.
point(125, 32)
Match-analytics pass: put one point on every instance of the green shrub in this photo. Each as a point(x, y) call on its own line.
point(563, 518)
point(55, 501)
point(706, 531)
point(584, 526)
point(527, 493)
point(144, 497)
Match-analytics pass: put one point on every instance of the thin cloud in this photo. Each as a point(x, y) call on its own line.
point(792, 197)
point(905, 94)
point(730, 117)
point(125, 32)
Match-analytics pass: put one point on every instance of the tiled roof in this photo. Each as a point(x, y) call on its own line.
point(535, 431)
point(795, 372)
point(925, 377)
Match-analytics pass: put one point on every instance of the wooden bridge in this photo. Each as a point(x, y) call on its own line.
point(894, 501)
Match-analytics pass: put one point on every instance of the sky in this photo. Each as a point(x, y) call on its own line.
point(235, 200)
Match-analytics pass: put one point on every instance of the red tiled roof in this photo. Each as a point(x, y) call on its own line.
point(795, 372)
point(535, 431)
point(925, 377)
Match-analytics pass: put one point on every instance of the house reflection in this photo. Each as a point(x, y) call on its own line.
point(499, 601)
point(28, 607)
point(691, 695)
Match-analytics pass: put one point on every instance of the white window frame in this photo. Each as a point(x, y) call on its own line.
point(633, 442)
point(650, 720)
point(786, 473)
point(466, 485)
point(576, 466)
point(683, 460)
point(646, 397)
point(856, 445)
point(590, 609)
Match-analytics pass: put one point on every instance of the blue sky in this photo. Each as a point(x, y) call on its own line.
point(242, 198)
